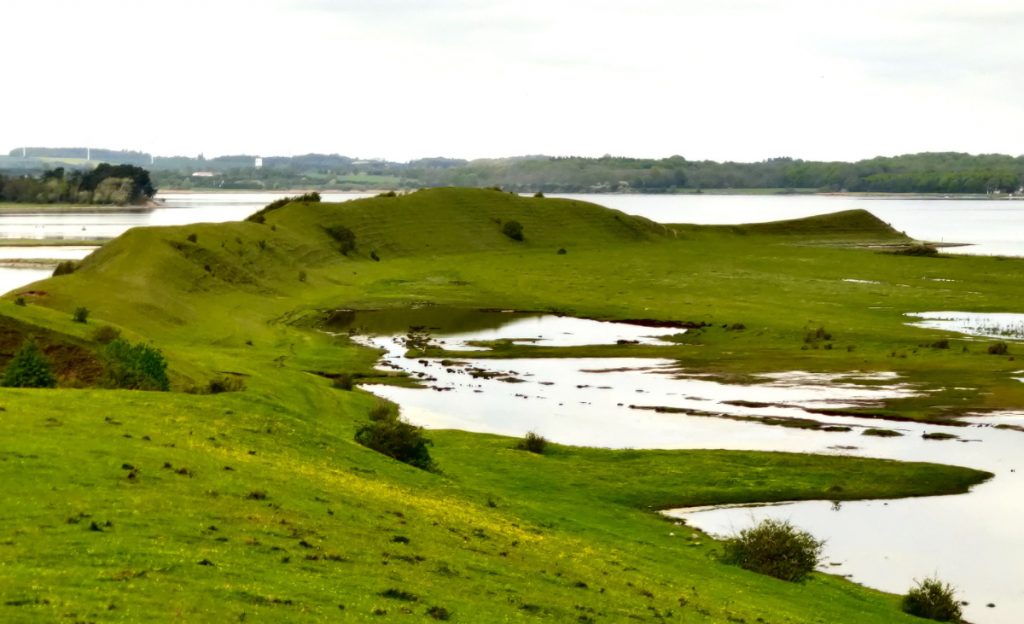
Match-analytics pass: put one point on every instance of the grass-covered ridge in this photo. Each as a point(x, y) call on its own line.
point(259, 502)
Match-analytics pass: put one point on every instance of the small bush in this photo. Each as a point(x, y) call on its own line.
point(80, 315)
point(302, 276)
point(538, 194)
point(775, 548)
point(373, 254)
point(941, 344)
point(192, 238)
point(561, 251)
point(29, 368)
point(20, 301)
point(387, 194)
point(389, 435)
point(532, 442)
point(345, 237)
point(225, 383)
point(998, 348)
point(439, 613)
point(343, 381)
point(64, 268)
point(135, 367)
point(513, 229)
point(932, 599)
point(105, 334)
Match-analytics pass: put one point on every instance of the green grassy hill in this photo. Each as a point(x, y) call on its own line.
point(257, 505)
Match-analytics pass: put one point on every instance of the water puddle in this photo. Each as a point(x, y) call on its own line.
point(1004, 325)
point(969, 540)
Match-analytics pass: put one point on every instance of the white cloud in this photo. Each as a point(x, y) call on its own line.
point(400, 79)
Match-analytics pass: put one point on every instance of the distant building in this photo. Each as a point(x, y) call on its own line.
point(259, 162)
point(203, 174)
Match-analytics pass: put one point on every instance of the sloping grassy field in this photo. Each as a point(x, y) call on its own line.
point(258, 506)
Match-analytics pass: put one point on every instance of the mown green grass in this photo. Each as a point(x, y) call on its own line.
point(497, 534)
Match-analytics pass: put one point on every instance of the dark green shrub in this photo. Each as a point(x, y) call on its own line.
point(345, 237)
point(135, 367)
point(192, 237)
point(80, 315)
point(439, 613)
point(20, 301)
point(532, 442)
point(389, 435)
point(387, 194)
point(941, 344)
point(775, 548)
point(29, 368)
point(513, 229)
point(373, 254)
point(343, 381)
point(302, 276)
point(932, 599)
point(225, 383)
point(105, 334)
point(64, 268)
point(561, 251)
point(538, 194)
point(998, 348)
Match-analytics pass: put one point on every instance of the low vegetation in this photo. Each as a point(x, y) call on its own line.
point(933, 599)
point(29, 369)
point(390, 435)
point(134, 366)
point(776, 548)
point(532, 442)
point(513, 229)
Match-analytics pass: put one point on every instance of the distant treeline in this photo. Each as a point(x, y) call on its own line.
point(106, 184)
point(945, 172)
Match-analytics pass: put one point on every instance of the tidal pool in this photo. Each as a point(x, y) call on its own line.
point(969, 540)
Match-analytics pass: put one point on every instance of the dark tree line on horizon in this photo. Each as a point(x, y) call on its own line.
point(933, 172)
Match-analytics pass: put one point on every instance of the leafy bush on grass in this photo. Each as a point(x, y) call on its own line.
point(20, 301)
point(225, 383)
point(932, 599)
point(532, 442)
point(343, 381)
point(998, 348)
point(775, 548)
point(64, 268)
point(80, 315)
point(941, 344)
point(389, 435)
point(135, 367)
point(513, 229)
point(346, 238)
point(29, 368)
point(105, 334)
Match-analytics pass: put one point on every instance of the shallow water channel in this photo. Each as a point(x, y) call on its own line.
point(971, 541)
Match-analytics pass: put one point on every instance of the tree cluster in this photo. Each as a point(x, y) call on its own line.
point(105, 184)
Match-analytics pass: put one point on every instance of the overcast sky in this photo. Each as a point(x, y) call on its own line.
point(400, 79)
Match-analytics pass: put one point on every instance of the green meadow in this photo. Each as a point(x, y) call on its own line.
point(258, 505)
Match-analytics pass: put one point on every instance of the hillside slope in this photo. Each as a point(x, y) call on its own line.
point(257, 505)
